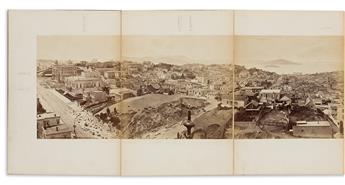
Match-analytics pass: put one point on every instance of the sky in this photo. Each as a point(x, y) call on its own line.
point(170, 49)
point(179, 49)
point(289, 54)
point(102, 48)
point(280, 54)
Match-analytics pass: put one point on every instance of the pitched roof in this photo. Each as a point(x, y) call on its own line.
point(285, 98)
point(270, 91)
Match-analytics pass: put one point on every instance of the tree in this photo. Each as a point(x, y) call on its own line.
point(108, 111)
point(69, 89)
point(106, 89)
point(103, 116)
point(139, 92)
point(118, 84)
point(219, 106)
point(266, 84)
point(171, 92)
point(218, 97)
point(249, 84)
point(115, 122)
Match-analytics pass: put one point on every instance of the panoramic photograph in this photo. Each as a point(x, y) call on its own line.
point(288, 87)
point(186, 87)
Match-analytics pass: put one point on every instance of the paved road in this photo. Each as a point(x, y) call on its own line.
point(64, 110)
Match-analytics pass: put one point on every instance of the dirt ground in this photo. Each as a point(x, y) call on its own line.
point(252, 131)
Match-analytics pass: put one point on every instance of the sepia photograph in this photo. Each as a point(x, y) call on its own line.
point(288, 87)
point(187, 86)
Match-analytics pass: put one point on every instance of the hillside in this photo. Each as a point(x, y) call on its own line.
point(326, 82)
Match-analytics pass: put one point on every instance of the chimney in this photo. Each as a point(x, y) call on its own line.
point(189, 115)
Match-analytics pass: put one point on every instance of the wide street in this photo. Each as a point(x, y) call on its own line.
point(60, 106)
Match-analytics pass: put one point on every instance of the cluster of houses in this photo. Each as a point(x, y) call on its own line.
point(93, 83)
point(87, 85)
point(84, 80)
point(256, 98)
point(188, 80)
point(90, 85)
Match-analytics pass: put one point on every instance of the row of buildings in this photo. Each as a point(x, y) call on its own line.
point(86, 84)
point(126, 79)
point(193, 79)
point(90, 84)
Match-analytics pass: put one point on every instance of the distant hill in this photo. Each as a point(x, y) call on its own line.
point(326, 82)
